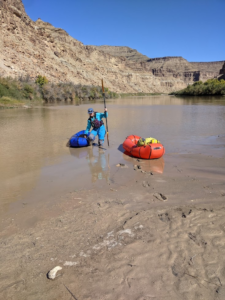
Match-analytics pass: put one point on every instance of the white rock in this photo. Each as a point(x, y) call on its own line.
point(52, 273)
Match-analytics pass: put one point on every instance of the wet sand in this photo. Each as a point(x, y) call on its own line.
point(154, 232)
point(160, 235)
point(37, 167)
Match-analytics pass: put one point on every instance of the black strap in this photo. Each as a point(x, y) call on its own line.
point(150, 152)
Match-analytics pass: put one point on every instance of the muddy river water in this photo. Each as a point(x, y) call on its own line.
point(36, 166)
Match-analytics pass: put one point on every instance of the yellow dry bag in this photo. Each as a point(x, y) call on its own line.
point(147, 141)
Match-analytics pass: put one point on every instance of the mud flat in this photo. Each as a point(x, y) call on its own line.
point(159, 236)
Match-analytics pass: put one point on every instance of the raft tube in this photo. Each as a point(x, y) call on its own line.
point(78, 139)
point(151, 151)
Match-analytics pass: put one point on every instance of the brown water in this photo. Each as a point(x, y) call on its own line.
point(37, 166)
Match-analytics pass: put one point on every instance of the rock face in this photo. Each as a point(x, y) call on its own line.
point(207, 69)
point(169, 67)
point(174, 66)
point(128, 53)
point(35, 48)
point(222, 72)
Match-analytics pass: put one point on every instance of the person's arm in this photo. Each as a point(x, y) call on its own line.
point(104, 115)
point(88, 127)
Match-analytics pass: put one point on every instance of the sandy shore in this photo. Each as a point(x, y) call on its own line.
point(159, 236)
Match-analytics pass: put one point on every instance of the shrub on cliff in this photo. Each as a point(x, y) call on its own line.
point(28, 91)
point(71, 92)
point(10, 87)
point(209, 87)
point(41, 80)
point(25, 88)
point(197, 83)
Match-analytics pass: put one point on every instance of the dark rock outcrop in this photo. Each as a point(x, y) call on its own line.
point(222, 73)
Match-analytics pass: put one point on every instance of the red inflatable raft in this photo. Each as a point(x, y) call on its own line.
point(150, 151)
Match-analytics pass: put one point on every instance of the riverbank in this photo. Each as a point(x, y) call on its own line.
point(14, 91)
point(6, 102)
point(208, 88)
point(156, 236)
point(140, 94)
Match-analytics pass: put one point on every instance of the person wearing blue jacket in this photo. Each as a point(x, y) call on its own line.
point(95, 121)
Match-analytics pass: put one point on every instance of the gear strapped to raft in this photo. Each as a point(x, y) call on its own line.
point(95, 123)
point(147, 141)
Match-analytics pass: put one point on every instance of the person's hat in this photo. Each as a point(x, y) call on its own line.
point(90, 110)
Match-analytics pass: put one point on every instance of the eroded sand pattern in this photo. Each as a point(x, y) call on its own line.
point(124, 243)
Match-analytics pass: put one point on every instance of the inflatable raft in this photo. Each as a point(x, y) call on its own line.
point(78, 139)
point(151, 151)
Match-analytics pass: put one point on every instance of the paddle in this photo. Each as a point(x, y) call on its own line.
point(103, 91)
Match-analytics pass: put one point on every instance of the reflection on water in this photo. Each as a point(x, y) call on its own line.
point(35, 161)
point(98, 161)
point(171, 100)
point(153, 165)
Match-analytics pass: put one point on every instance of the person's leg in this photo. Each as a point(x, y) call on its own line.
point(92, 136)
point(101, 135)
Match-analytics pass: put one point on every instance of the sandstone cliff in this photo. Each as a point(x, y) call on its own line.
point(207, 69)
point(222, 72)
point(128, 53)
point(169, 67)
point(176, 67)
point(34, 48)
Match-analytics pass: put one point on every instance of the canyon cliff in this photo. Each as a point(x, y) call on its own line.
point(34, 48)
point(222, 72)
point(123, 51)
point(170, 66)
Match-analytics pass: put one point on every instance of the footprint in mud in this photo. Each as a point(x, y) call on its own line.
point(137, 167)
point(196, 239)
point(185, 214)
point(221, 292)
point(164, 217)
point(121, 165)
point(178, 268)
point(145, 184)
point(160, 197)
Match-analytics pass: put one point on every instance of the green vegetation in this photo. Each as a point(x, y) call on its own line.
point(139, 94)
point(41, 80)
point(7, 102)
point(13, 92)
point(210, 87)
point(71, 92)
point(25, 89)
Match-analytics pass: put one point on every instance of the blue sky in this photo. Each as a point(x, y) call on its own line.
point(194, 29)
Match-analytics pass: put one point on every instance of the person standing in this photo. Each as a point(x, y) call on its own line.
point(95, 121)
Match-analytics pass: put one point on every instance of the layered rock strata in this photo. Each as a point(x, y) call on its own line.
point(34, 48)
point(207, 69)
point(175, 66)
point(168, 67)
point(222, 72)
point(122, 51)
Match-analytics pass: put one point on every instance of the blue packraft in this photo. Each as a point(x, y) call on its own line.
point(78, 139)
